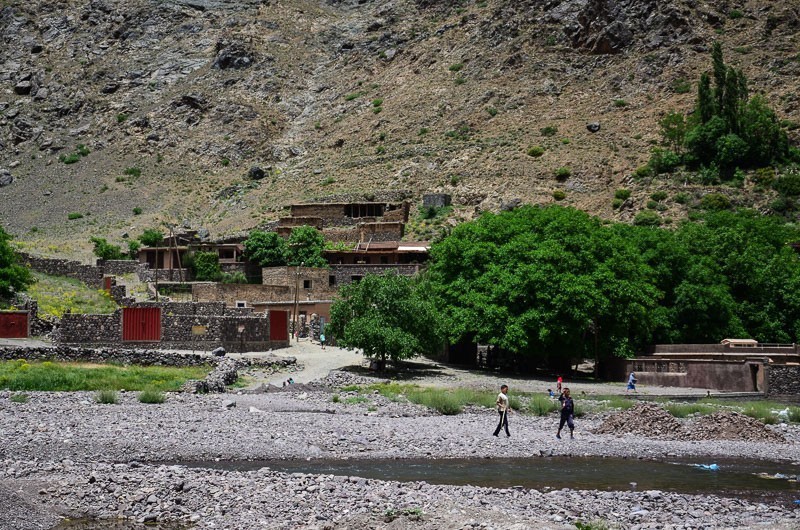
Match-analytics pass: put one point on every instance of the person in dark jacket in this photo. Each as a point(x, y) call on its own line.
point(567, 414)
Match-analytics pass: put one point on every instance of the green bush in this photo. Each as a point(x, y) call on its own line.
point(74, 215)
point(715, 202)
point(682, 410)
point(492, 111)
point(205, 266)
point(735, 14)
point(137, 211)
point(460, 80)
point(619, 103)
point(106, 397)
point(105, 250)
point(336, 398)
point(659, 195)
point(622, 194)
point(354, 95)
point(682, 198)
point(616, 203)
point(788, 185)
point(563, 173)
point(541, 406)
point(536, 151)
point(152, 237)
point(663, 161)
point(70, 158)
point(550, 130)
point(647, 218)
point(150, 395)
point(651, 205)
point(559, 195)
point(456, 67)
point(82, 150)
point(763, 176)
point(681, 86)
point(121, 117)
point(19, 398)
point(133, 171)
point(377, 102)
point(237, 277)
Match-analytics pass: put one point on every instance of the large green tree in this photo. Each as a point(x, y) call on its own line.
point(268, 249)
point(549, 284)
point(13, 276)
point(306, 244)
point(386, 317)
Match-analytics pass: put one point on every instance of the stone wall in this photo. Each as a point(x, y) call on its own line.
point(730, 376)
point(131, 356)
point(231, 293)
point(345, 273)
point(179, 321)
point(287, 277)
point(91, 275)
point(436, 200)
point(118, 267)
point(783, 380)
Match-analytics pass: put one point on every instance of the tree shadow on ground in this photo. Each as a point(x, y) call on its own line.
point(403, 371)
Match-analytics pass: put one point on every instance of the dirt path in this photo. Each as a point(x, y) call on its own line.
point(317, 363)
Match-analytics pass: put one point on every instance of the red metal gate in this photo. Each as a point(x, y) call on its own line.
point(278, 325)
point(141, 324)
point(14, 324)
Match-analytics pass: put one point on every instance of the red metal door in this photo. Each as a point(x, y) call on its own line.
point(278, 325)
point(141, 324)
point(14, 325)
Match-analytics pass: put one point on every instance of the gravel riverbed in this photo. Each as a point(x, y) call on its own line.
point(64, 454)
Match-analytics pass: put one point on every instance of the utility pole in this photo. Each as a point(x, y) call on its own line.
point(297, 302)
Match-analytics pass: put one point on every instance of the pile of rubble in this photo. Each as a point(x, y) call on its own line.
point(731, 426)
point(652, 421)
point(644, 419)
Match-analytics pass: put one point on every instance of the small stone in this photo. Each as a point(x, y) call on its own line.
point(593, 126)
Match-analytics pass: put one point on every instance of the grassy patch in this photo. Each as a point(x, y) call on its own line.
point(106, 397)
point(762, 411)
point(683, 410)
point(353, 400)
point(19, 398)
point(541, 406)
point(20, 375)
point(149, 395)
point(56, 294)
point(613, 402)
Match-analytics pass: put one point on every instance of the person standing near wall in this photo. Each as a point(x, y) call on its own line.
point(322, 340)
point(631, 383)
point(559, 381)
point(503, 408)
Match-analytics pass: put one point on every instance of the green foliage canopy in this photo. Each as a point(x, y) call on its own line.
point(13, 276)
point(105, 250)
point(386, 317)
point(306, 244)
point(543, 282)
point(152, 237)
point(205, 266)
point(268, 249)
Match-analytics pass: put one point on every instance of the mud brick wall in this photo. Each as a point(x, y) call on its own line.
point(89, 274)
point(316, 222)
point(381, 231)
point(351, 235)
point(231, 293)
point(344, 273)
point(286, 276)
point(783, 379)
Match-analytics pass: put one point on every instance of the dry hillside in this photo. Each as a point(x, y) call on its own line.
point(177, 101)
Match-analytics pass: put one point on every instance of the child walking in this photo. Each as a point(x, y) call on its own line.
point(567, 414)
point(503, 408)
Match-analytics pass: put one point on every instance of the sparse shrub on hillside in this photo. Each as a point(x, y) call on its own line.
point(735, 14)
point(380, 150)
point(328, 181)
point(651, 205)
point(647, 218)
point(456, 67)
point(715, 202)
point(354, 95)
point(137, 211)
point(74, 215)
point(460, 80)
point(82, 150)
point(763, 176)
point(106, 397)
point(152, 237)
point(622, 194)
point(536, 151)
point(423, 131)
point(105, 250)
point(121, 117)
point(550, 130)
point(463, 132)
point(642, 172)
point(563, 173)
point(492, 111)
point(681, 86)
point(70, 158)
point(682, 198)
point(619, 103)
point(559, 195)
point(659, 196)
point(377, 102)
point(616, 203)
point(225, 162)
point(151, 396)
point(663, 161)
point(133, 171)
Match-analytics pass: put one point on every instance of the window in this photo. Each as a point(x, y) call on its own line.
point(241, 303)
point(306, 284)
point(332, 280)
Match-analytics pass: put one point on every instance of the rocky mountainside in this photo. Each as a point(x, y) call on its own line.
point(123, 114)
